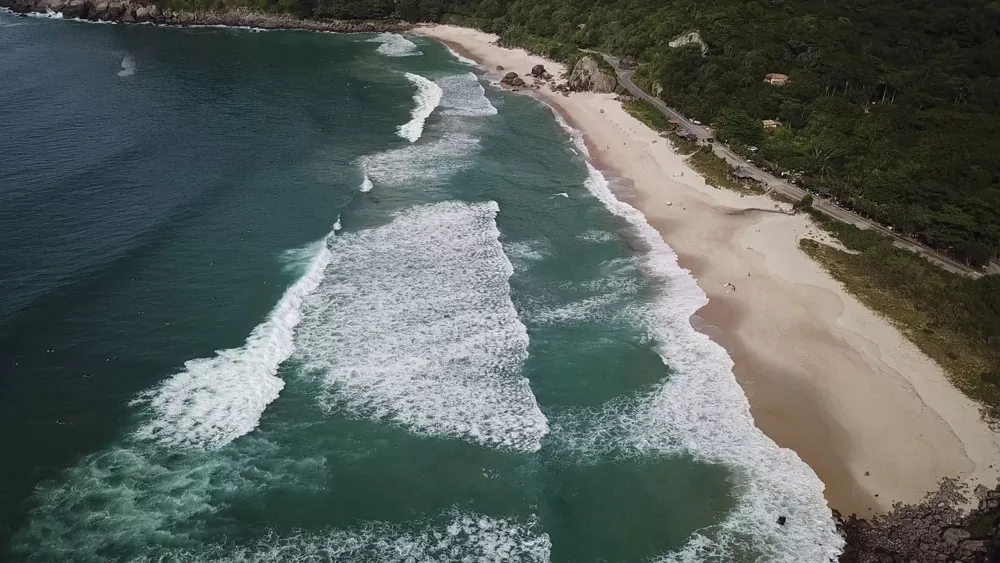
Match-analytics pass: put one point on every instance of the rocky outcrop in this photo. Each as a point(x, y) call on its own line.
point(690, 38)
point(136, 12)
point(936, 529)
point(512, 79)
point(586, 75)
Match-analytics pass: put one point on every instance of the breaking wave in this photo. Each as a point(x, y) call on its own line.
point(463, 95)
point(460, 58)
point(465, 537)
point(214, 401)
point(427, 98)
point(395, 45)
point(701, 409)
point(128, 66)
point(425, 164)
point(414, 324)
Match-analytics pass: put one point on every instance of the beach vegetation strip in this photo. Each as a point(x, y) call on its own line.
point(953, 319)
point(716, 171)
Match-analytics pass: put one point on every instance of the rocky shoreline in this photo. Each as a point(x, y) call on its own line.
point(133, 12)
point(936, 529)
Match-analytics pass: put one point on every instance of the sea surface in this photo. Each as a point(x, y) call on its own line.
point(291, 296)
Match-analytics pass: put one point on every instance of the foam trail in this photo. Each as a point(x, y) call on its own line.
point(414, 324)
point(48, 14)
point(464, 95)
point(460, 58)
point(215, 400)
point(395, 45)
point(421, 164)
point(465, 537)
point(427, 97)
point(337, 226)
point(366, 184)
point(128, 66)
point(702, 409)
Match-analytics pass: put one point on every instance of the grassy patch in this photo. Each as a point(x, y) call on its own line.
point(952, 319)
point(716, 171)
point(648, 114)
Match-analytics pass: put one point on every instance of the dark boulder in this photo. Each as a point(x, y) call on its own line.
point(537, 71)
point(517, 81)
point(99, 10)
point(509, 78)
point(499, 67)
point(75, 9)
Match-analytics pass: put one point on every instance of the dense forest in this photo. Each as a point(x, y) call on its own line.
point(892, 108)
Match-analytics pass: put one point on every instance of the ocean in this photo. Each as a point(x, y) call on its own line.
point(291, 296)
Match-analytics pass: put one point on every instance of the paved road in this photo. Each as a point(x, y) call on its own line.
point(789, 191)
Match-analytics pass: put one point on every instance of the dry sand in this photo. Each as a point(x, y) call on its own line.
point(872, 415)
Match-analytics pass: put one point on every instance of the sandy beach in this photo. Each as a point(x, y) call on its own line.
point(872, 415)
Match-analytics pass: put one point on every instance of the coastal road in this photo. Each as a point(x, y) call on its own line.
point(786, 190)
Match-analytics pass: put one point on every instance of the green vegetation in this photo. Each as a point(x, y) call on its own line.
point(716, 171)
point(892, 108)
point(646, 113)
point(953, 319)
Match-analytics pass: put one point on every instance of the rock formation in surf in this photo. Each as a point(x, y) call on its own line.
point(587, 75)
point(130, 12)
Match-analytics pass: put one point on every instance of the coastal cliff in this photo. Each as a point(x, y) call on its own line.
point(133, 12)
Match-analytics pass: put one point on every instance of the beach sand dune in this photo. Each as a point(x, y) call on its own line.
point(872, 415)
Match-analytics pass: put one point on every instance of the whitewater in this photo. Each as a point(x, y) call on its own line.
point(702, 410)
point(482, 355)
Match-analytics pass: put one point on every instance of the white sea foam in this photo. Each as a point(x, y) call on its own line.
point(463, 95)
point(598, 236)
point(337, 226)
point(215, 400)
point(47, 14)
point(466, 537)
point(460, 58)
point(424, 164)
point(128, 66)
point(133, 497)
point(366, 184)
point(525, 253)
point(702, 410)
point(414, 324)
point(608, 296)
point(395, 45)
point(426, 99)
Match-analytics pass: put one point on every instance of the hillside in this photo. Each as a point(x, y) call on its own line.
point(890, 108)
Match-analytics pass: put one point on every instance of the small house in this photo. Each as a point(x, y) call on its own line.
point(743, 175)
point(628, 63)
point(771, 124)
point(776, 79)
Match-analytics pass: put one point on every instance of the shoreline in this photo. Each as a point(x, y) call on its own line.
point(875, 418)
point(126, 11)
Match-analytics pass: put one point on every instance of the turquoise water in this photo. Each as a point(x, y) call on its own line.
point(291, 296)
